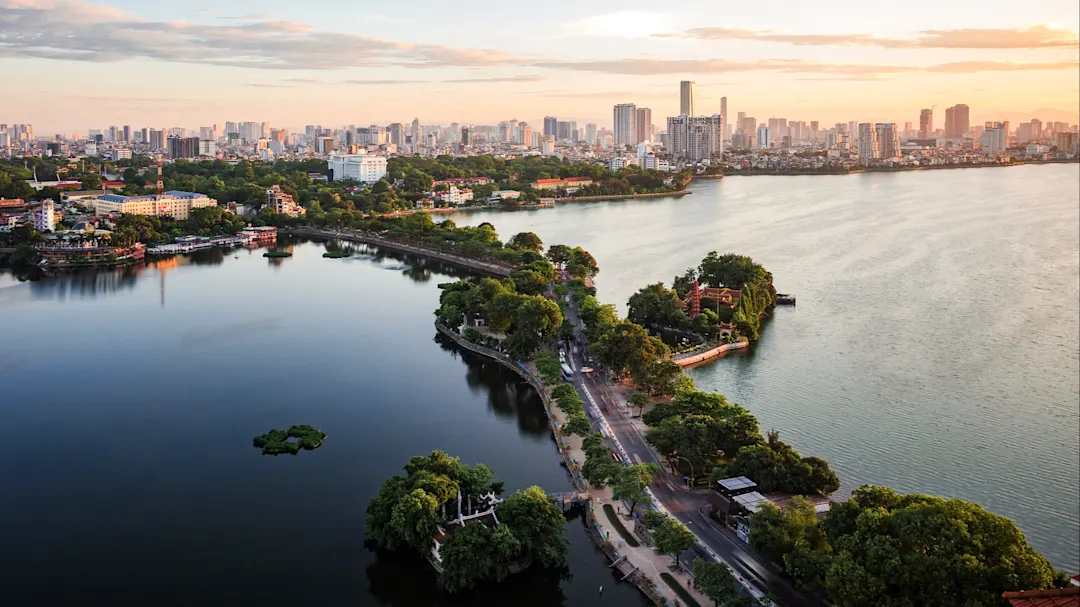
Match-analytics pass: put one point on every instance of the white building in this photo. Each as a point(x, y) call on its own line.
point(359, 167)
point(177, 205)
point(686, 98)
point(994, 140)
point(207, 147)
point(45, 217)
point(455, 196)
point(117, 154)
point(548, 147)
point(695, 138)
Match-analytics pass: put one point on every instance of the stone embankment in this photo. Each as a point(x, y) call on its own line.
point(693, 358)
point(490, 267)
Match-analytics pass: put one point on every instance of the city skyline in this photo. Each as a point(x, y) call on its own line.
point(284, 64)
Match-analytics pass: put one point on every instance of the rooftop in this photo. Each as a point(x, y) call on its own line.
point(737, 483)
point(752, 501)
point(1057, 597)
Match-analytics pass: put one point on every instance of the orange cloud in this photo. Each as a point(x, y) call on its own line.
point(1039, 36)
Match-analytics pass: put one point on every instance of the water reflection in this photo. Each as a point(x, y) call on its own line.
point(508, 396)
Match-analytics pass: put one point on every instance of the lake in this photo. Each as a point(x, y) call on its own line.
point(130, 398)
point(936, 343)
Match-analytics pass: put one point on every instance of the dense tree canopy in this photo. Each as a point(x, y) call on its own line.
point(883, 548)
point(656, 306)
point(776, 466)
point(409, 511)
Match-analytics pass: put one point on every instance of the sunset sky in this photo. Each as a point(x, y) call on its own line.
point(70, 65)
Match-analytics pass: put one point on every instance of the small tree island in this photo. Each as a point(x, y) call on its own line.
point(453, 515)
point(276, 442)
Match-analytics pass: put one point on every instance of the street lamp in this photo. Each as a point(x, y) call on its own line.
point(691, 484)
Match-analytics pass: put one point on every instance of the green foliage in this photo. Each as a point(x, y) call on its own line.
point(672, 537)
point(581, 264)
point(600, 467)
point(276, 442)
point(526, 241)
point(776, 466)
point(631, 481)
point(883, 548)
point(559, 253)
point(408, 510)
point(653, 518)
point(537, 524)
point(656, 306)
point(715, 581)
point(686, 597)
point(577, 424)
point(613, 518)
point(467, 557)
point(700, 427)
point(729, 270)
point(550, 369)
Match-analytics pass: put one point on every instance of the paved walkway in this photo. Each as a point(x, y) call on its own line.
point(644, 558)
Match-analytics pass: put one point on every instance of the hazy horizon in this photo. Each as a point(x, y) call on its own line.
point(79, 65)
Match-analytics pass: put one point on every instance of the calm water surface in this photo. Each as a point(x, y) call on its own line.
point(936, 344)
point(129, 402)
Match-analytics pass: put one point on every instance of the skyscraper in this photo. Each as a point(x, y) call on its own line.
point(590, 133)
point(724, 117)
point(888, 140)
point(957, 121)
point(625, 123)
point(686, 97)
point(551, 126)
point(127, 132)
point(695, 138)
point(926, 123)
point(642, 125)
point(764, 137)
point(868, 145)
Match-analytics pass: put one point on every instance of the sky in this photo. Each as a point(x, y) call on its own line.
point(73, 65)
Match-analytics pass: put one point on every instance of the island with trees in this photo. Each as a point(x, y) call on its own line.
point(454, 515)
point(276, 442)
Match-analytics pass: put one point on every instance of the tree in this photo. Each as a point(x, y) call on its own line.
point(527, 241)
point(892, 549)
point(467, 557)
point(715, 581)
point(502, 311)
point(559, 253)
point(582, 258)
point(536, 523)
point(729, 270)
point(630, 483)
point(672, 537)
point(656, 306)
point(577, 424)
point(91, 181)
point(774, 532)
point(415, 518)
point(658, 377)
point(639, 400)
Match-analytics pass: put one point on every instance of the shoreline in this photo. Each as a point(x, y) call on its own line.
point(935, 167)
point(639, 581)
point(538, 207)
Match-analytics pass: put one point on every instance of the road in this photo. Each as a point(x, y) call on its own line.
point(688, 507)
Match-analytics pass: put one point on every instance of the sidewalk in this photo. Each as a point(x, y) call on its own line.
point(642, 557)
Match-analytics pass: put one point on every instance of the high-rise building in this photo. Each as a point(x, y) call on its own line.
point(724, 117)
point(868, 145)
point(415, 131)
point(764, 137)
point(551, 126)
point(590, 133)
point(127, 132)
point(183, 147)
point(397, 133)
point(957, 121)
point(1036, 128)
point(625, 124)
point(926, 123)
point(45, 216)
point(643, 125)
point(888, 140)
point(686, 98)
point(994, 139)
point(113, 134)
point(695, 138)
point(466, 136)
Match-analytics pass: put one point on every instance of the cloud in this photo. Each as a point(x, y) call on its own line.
point(664, 67)
point(384, 82)
point(84, 31)
point(520, 78)
point(303, 80)
point(1039, 36)
point(271, 86)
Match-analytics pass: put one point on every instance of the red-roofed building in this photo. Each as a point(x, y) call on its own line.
point(459, 181)
point(568, 183)
point(7, 203)
point(726, 297)
point(112, 185)
point(1056, 597)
